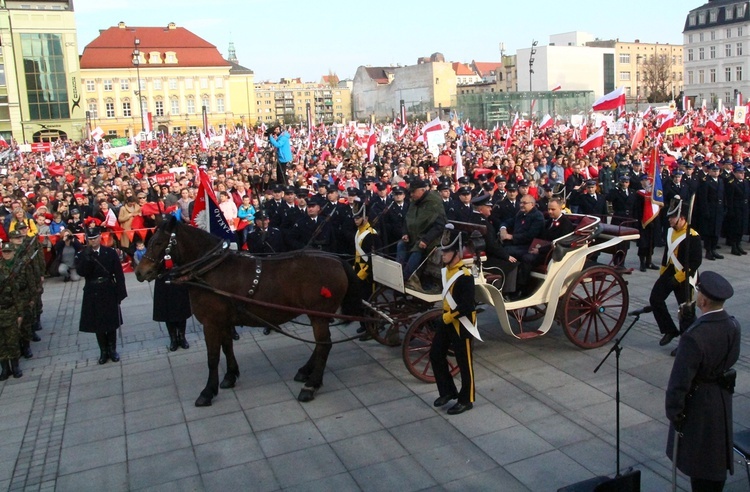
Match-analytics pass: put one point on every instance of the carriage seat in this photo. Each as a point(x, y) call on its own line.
point(617, 230)
point(587, 229)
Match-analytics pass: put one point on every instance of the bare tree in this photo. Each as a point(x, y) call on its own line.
point(656, 77)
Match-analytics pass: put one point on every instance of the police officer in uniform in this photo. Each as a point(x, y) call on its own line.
point(682, 257)
point(698, 402)
point(312, 230)
point(738, 210)
point(622, 199)
point(444, 189)
point(455, 329)
point(591, 203)
point(463, 210)
point(102, 294)
point(339, 215)
point(11, 310)
point(394, 219)
point(264, 239)
point(507, 208)
point(711, 206)
point(497, 257)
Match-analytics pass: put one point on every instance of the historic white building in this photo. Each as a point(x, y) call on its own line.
point(716, 52)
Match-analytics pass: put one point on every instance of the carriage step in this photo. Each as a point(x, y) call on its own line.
point(524, 335)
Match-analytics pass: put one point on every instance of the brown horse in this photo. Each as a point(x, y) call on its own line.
point(302, 280)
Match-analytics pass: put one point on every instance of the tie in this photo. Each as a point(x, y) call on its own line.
point(593, 197)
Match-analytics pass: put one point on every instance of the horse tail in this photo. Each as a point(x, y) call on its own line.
point(351, 305)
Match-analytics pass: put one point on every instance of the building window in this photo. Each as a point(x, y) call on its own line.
point(46, 79)
point(205, 104)
point(141, 85)
point(691, 20)
point(144, 106)
point(701, 53)
point(172, 84)
point(126, 109)
point(112, 133)
point(713, 15)
point(740, 10)
point(170, 57)
point(124, 84)
point(728, 50)
point(739, 49)
point(624, 75)
point(700, 37)
point(219, 82)
point(624, 57)
point(712, 75)
point(728, 74)
point(204, 83)
point(219, 104)
point(110, 109)
point(93, 110)
point(701, 18)
point(701, 77)
point(191, 106)
point(157, 84)
point(739, 31)
point(188, 83)
point(713, 35)
point(159, 108)
point(107, 84)
point(175, 107)
point(729, 13)
point(729, 33)
point(90, 86)
point(738, 73)
point(712, 52)
point(690, 54)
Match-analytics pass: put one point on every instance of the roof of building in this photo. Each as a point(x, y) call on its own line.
point(721, 19)
point(331, 79)
point(485, 68)
point(113, 48)
point(462, 69)
point(238, 69)
point(379, 74)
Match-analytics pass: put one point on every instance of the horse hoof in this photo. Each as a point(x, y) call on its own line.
point(228, 383)
point(306, 394)
point(203, 402)
point(301, 377)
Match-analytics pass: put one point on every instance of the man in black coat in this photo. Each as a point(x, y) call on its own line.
point(698, 402)
point(738, 209)
point(394, 219)
point(504, 211)
point(527, 225)
point(312, 230)
point(264, 239)
point(591, 202)
point(462, 211)
point(712, 208)
point(497, 257)
point(172, 307)
point(102, 294)
point(622, 199)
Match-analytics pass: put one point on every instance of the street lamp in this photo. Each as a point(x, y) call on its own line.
point(137, 63)
point(531, 63)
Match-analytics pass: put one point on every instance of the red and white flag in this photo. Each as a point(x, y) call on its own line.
point(204, 141)
point(638, 136)
point(594, 141)
point(340, 143)
point(546, 122)
point(372, 146)
point(97, 133)
point(667, 123)
point(621, 114)
point(713, 124)
point(514, 125)
point(610, 101)
point(433, 126)
point(3, 143)
point(556, 88)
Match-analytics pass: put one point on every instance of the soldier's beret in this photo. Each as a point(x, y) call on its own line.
point(714, 286)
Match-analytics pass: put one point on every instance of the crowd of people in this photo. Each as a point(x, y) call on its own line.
point(332, 189)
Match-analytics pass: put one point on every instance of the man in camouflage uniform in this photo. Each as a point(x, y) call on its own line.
point(11, 306)
point(30, 284)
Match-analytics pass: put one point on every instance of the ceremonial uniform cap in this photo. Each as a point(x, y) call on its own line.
point(443, 186)
point(713, 166)
point(451, 240)
point(739, 168)
point(21, 225)
point(714, 286)
point(332, 189)
point(523, 182)
point(93, 232)
point(484, 199)
point(416, 184)
point(488, 186)
point(303, 192)
point(547, 187)
point(289, 190)
point(591, 182)
point(512, 186)
point(16, 234)
point(464, 180)
point(316, 200)
point(261, 215)
point(500, 178)
point(398, 190)
point(75, 211)
point(464, 190)
point(277, 188)
point(381, 186)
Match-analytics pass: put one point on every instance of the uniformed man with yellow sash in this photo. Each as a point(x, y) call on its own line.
point(456, 328)
point(682, 257)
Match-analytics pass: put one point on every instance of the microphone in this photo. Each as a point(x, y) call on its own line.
point(643, 310)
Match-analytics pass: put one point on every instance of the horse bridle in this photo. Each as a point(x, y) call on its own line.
point(167, 250)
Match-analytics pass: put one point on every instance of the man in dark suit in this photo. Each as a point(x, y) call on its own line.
point(102, 294)
point(264, 239)
point(592, 203)
point(622, 199)
point(312, 230)
point(507, 208)
point(497, 257)
point(712, 208)
point(738, 209)
point(527, 225)
point(462, 211)
point(698, 402)
point(394, 219)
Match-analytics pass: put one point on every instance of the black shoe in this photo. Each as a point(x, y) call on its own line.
point(26, 350)
point(182, 341)
point(103, 357)
point(443, 400)
point(67, 278)
point(668, 337)
point(361, 329)
point(742, 251)
point(235, 335)
point(736, 252)
point(643, 265)
point(112, 342)
point(460, 408)
point(717, 247)
point(673, 352)
point(172, 344)
point(651, 266)
point(718, 256)
point(36, 338)
point(16, 368)
point(710, 255)
point(266, 331)
point(5, 374)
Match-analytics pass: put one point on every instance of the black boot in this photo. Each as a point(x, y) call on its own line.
point(739, 248)
point(710, 255)
point(174, 340)
point(650, 264)
point(235, 335)
point(5, 374)
point(15, 368)
point(718, 256)
point(101, 339)
point(112, 343)
point(181, 340)
point(26, 349)
point(643, 263)
point(735, 250)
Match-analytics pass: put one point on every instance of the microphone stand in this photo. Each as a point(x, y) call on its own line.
point(617, 348)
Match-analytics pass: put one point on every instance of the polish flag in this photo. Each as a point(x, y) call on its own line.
point(402, 131)
point(372, 145)
point(556, 88)
point(97, 133)
point(646, 112)
point(3, 143)
point(712, 124)
point(433, 126)
point(622, 112)
point(546, 122)
point(340, 143)
point(594, 141)
point(204, 141)
point(739, 99)
point(638, 137)
point(610, 101)
point(514, 125)
point(459, 159)
point(667, 123)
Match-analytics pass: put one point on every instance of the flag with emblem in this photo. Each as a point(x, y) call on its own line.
point(206, 212)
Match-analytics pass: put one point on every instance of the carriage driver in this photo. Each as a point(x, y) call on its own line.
point(456, 328)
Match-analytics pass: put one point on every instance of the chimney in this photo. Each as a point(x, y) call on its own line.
point(121, 25)
point(171, 26)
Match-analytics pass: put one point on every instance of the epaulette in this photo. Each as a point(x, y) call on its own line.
point(693, 232)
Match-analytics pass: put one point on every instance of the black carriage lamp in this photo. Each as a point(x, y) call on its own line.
point(137, 63)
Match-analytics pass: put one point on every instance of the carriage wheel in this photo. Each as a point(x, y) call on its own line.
point(393, 304)
point(594, 307)
point(417, 345)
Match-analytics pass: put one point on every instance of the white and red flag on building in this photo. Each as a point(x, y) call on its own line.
point(3, 143)
point(594, 141)
point(610, 101)
point(206, 212)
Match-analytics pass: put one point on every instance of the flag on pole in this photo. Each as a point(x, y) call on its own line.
point(372, 147)
point(610, 101)
point(654, 200)
point(546, 122)
point(594, 141)
point(339, 144)
point(459, 159)
point(556, 88)
point(206, 212)
point(403, 114)
point(667, 123)
point(638, 136)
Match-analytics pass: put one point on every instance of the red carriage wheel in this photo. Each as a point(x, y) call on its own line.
point(417, 344)
point(594, 307)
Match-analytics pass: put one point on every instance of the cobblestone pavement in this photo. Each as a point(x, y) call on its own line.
point(542, 419)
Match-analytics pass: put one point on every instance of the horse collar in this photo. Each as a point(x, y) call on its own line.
point(256, 278)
